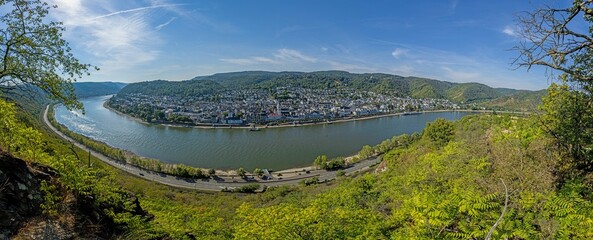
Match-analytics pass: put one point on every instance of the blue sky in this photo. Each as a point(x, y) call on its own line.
point(453, 40)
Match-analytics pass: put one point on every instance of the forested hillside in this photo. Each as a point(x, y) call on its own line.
point(377, 82)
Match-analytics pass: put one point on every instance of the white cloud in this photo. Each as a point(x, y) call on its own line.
point(511, 31)
point(117, 40)
point(398, 52)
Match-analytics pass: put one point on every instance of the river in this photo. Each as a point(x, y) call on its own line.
point(223, 148)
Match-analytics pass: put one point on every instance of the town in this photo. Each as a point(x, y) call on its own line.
point(281, 105)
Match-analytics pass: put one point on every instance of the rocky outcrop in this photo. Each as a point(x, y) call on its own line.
point(20, 196)
point(79, 216)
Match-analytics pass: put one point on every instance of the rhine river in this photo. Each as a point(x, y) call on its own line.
point(223, 148)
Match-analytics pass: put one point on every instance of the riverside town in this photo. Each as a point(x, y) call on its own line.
point(294, 105)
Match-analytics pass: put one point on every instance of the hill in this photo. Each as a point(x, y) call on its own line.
point(395, 85)
point(91, 89)
point(525, 101)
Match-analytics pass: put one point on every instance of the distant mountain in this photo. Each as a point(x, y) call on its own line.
point(414, 87)
point(91, 89)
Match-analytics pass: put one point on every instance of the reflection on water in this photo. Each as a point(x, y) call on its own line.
point(277, 148)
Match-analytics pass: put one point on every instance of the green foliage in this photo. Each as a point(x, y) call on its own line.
point(249, 188)
point(51, 199)
point(75, 175)
point(322, 219)
point(258, 172)
point(35, 53)
point(568, 118)
point(241, 172)
point(366, 152)
point(552, 42)
point(472, 92)
point(440, 131)
point(311, 181)
point(323, 163)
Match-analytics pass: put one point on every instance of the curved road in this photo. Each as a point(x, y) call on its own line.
point(211, 184)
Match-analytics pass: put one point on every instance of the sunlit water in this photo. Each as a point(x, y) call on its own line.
point(277, 148)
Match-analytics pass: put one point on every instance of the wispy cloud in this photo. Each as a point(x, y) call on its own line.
point(511, 31)
point(293, 55)
point(161, 26)
point(454, 4)
point(280, 56)
point(117, 40)
point(249, 61)
point(398, 52)
point(135, 10)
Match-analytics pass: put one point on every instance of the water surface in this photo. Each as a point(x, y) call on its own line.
point(277, 148)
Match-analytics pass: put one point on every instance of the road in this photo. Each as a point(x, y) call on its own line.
point(211, 184)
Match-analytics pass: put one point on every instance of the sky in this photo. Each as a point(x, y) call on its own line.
point(451, 40)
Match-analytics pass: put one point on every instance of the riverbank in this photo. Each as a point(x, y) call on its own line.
point(221, 182)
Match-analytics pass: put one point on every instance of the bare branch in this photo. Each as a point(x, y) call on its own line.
point(504, 210)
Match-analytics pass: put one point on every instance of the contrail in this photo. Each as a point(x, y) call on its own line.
point(135, 10)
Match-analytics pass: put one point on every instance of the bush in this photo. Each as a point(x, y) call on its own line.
point(250, 188)
point(440, 131)
point(311, 181)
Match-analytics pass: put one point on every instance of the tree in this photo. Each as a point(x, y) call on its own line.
point(241, 172)
point(553, 38)
point(366, 152)
point(569, 120)
point(550, 40)
point(320, 161)
point(33, 53)
point(440, 131)
point(211, 172)
point(258, 172)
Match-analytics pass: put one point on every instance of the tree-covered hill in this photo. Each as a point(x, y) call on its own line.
point(377, 82)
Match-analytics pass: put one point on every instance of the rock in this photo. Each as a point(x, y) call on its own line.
point(21, 186)
point(19, 192)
